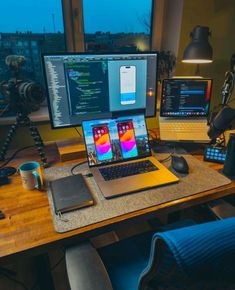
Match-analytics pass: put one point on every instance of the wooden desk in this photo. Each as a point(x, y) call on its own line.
point(28, 228)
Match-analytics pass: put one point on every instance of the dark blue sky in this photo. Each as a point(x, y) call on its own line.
point(99, 15)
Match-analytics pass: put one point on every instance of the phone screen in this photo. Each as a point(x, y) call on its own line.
point(128, 84)
point(127, 139)
point(102, 142)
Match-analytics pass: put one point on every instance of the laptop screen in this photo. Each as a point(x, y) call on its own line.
point(115, 140)
point(185, 97)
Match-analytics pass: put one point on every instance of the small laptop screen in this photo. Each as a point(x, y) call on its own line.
point(185, 97)
point(115, 140)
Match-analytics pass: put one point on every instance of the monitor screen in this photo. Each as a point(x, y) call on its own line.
point(88, 86)
point(185, 97)
point(117, 139)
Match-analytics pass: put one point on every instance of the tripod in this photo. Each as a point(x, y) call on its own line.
point(22, 120)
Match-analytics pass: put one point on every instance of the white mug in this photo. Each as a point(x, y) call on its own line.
point(31, 175)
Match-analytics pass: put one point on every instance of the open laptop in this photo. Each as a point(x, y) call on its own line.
point(119, 156)
point(184, 109)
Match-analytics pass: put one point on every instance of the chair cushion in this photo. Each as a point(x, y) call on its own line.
point(126, 259)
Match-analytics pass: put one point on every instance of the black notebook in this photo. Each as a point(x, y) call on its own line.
point(70, 193)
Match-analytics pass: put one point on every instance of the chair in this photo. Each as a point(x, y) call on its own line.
point(187, 256)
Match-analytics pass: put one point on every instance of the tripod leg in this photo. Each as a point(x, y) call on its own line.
point(39, 144)
point(8, 140)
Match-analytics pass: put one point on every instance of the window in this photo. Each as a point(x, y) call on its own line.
point(91, 25)
point(118, 25)
point(34, 27)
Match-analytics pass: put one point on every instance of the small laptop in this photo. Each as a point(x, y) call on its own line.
point(184, 109)
point(119, 156)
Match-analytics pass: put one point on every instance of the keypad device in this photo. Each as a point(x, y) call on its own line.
point(215, 154)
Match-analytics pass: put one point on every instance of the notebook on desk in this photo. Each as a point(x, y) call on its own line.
point(119, 156)
point(70, 193)
point(184, 109)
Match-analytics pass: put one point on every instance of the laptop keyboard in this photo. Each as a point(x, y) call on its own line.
point(185, 127)
point(184, 131)
point(123, 170)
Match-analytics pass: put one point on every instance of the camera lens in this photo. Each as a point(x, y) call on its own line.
point(32, 92)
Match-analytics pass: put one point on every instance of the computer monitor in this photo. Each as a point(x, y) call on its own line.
point(185, 97)
point(84, 86)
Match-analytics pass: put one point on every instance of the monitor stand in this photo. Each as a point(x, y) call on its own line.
point(71, 149)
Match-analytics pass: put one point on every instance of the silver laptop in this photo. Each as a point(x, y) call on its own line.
point(119, 156)
point(184, 109)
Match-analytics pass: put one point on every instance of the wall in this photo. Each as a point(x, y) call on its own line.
point(219, 16)
point(23, 138)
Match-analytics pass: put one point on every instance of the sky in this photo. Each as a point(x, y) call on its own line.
point(99, 15)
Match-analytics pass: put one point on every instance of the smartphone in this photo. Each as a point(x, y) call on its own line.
point(127, 139)
point(128, 84)
point(102, 142)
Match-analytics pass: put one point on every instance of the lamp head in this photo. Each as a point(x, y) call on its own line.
point(199, 49)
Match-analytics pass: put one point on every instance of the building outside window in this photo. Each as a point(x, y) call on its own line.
point(29, 28)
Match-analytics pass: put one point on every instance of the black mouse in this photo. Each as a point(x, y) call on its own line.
point(179, 164)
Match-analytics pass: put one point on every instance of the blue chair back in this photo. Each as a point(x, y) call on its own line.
point(200, 256)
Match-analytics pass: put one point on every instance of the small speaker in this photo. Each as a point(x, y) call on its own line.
point(229, 164)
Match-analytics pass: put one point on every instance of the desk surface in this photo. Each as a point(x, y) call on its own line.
point(28, 226)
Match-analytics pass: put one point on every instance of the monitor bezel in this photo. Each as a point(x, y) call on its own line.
point(95, 53)
point(117, 161)
point(187, 79)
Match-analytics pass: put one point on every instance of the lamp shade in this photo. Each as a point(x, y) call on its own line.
point(199, 49)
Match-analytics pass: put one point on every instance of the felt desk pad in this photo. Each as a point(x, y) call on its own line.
point(200, 178)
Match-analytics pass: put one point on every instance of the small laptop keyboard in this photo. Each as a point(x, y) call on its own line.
point(184, 131)
point(184, 127)
point(123, 170)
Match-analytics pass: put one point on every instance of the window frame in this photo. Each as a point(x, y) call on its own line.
point(74, 24)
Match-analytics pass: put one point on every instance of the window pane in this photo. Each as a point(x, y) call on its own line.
point(29, 28)
point(34, 27)
point(119, 25)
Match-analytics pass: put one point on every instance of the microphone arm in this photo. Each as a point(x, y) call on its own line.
point(224, 118)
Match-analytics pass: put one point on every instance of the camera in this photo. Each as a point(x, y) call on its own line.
point(23, 96)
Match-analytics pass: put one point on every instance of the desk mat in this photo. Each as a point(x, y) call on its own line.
point(200, 178)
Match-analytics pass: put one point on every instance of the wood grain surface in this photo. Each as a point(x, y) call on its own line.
point(28, 228)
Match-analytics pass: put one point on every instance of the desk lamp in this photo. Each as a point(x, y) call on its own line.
point(199, 49)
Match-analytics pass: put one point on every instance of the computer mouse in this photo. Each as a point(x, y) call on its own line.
point(179, 164)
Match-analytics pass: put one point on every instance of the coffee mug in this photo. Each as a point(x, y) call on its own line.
point(31, 175)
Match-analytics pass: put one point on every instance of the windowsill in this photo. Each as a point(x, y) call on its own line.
point(39, 116)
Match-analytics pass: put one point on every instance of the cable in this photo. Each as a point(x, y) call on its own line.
point(57, 263)
point(4, 110)
point(35, 286)
point(230, 101)
point(14, 280)
point(78, 132)
point(14, 155)
point(223, 143)
point(75, 166)
point(166, 159)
